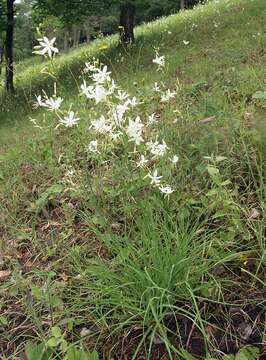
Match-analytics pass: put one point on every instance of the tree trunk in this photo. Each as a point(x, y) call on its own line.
point(182, 4)
point(66, 39)
point(1, 57)
point(76, 35)
point(88, 37)
point(127, 19)
point(9, 45)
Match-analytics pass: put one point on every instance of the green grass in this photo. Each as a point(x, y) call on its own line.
point(147, 277)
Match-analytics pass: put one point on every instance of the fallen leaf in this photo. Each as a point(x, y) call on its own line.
point(254, 213)
point(4, 274)
point(245, 330)
point(64, 276)
point(34, 189)
point(248, 116)
point(85, 332)
point(208, 120)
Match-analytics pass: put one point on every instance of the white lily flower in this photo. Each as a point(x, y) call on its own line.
point(157, 149)
point(134, 130)
point(118, 113)
point(46, 46)
point(159, 60)
point(122, 95)
point(70, 120)
point(133, 102)
point(174, 159)
point(98, 93)
point(142, 161)
point(101, 76)
point(152, 119)
point(166, 190)
point(39, 102)
point(53, 104)
point(101, 126)
point(115, 136)
point(156, 87)
point(89, 67)
point(155, 179)
point(93, 146)
point(168, 96)
point(86, 90)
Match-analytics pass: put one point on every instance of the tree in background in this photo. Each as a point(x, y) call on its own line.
point(9, 42)
point(127, 22)
point(73, 13)
point(151, 9)
point(72, 22)
point(2, 32)
point(24, 34)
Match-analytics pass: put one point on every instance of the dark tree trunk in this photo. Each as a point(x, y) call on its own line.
point(182, 4)
point(9, 45)
point(1, 57)
point(127, 19)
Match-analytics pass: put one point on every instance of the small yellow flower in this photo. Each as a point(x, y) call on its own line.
point(103, 47)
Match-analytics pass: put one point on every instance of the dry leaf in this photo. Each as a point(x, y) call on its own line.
point(208, 120)
point(4, 274)
point(245, 330)
point(254, 213)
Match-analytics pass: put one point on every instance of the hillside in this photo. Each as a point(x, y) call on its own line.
point(140, 236)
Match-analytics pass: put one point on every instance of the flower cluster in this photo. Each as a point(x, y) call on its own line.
point(115, 116)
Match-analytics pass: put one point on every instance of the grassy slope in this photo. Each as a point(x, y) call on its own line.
point(116, 257)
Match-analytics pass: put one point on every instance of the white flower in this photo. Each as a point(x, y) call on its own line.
point(156, 87)
point(46, 46)
point(185, 42)
point(152, 119)
point(132, 102)
point(100, 125)
point(98, 92)
point(112, 87)
point(122, 95)
point(115, 136)
point(101, 76)
point(156, 148)
point(53, 104)
point(39, 102)
point(69, 177)
point(166, 190)
point(134, 130)
point(168, 96)
point(86, 90)
point(89, 67)
point(155, 179)
point(159, 60)
point(175, 159)
point(118, 113)
point(70, 120)
point(142, 161)
point(93, 146)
